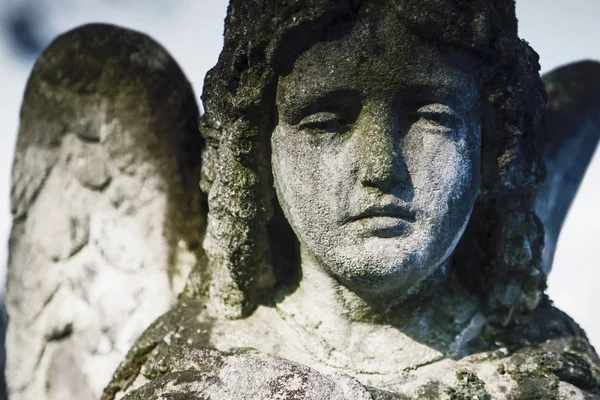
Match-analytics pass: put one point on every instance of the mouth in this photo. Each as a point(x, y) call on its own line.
point(385, 221)
point(385, 211)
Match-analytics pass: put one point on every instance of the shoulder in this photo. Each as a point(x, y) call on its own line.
point(546, 356)
point(557, 369)
point(188, 324)
point(184, 371)
point(190, 328)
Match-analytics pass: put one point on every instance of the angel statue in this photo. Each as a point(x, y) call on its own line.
point(365, 225)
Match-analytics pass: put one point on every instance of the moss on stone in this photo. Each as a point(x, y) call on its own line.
point(539, 373)
point(470, 387)
point(128, 371)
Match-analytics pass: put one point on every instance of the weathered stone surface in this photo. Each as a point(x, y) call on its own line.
point(370, 169)
point(183, 340)
point(241, 375)
point(105, 200)
point(403, 249)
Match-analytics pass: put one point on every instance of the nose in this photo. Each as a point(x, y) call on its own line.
point(381, 163)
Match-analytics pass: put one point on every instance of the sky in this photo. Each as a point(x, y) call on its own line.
point(561, 31)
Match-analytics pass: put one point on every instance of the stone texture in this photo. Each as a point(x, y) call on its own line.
point(370, 172)
point(104, 183)
point(183, 340)
point(425, 114)
point(243, 375)
point(434, 309)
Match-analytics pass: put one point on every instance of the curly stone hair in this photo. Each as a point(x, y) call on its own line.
point(249, 245)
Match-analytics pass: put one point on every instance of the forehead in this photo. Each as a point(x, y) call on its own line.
point(381, 57)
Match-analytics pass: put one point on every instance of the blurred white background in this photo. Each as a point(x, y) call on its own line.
point(562, 31)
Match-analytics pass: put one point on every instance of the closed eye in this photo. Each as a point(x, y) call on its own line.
point(439, 115)
point(324, 122)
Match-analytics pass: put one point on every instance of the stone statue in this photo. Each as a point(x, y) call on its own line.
point(370, 170)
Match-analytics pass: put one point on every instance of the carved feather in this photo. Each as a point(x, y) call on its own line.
point(568, 142)
point(106, 206)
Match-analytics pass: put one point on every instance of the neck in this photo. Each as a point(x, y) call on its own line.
point(319, 288)
point(435, 312)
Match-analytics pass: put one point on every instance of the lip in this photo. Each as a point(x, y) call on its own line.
point(384, 221)
point(387, 211)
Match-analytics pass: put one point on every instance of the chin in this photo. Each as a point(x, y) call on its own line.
point(383, 285)
point(380, 277)
point(383, 272)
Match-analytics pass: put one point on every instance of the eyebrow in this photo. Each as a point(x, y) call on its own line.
point(455, 93)
point(308, 102)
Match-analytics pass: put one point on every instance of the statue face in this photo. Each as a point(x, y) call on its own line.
point(376, 155)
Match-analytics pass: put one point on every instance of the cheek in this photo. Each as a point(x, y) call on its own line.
point(446, 176)
point(289, 178)
point(305, 179)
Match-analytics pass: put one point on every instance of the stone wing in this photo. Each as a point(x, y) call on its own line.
point(568, 142)
point(106, 205)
